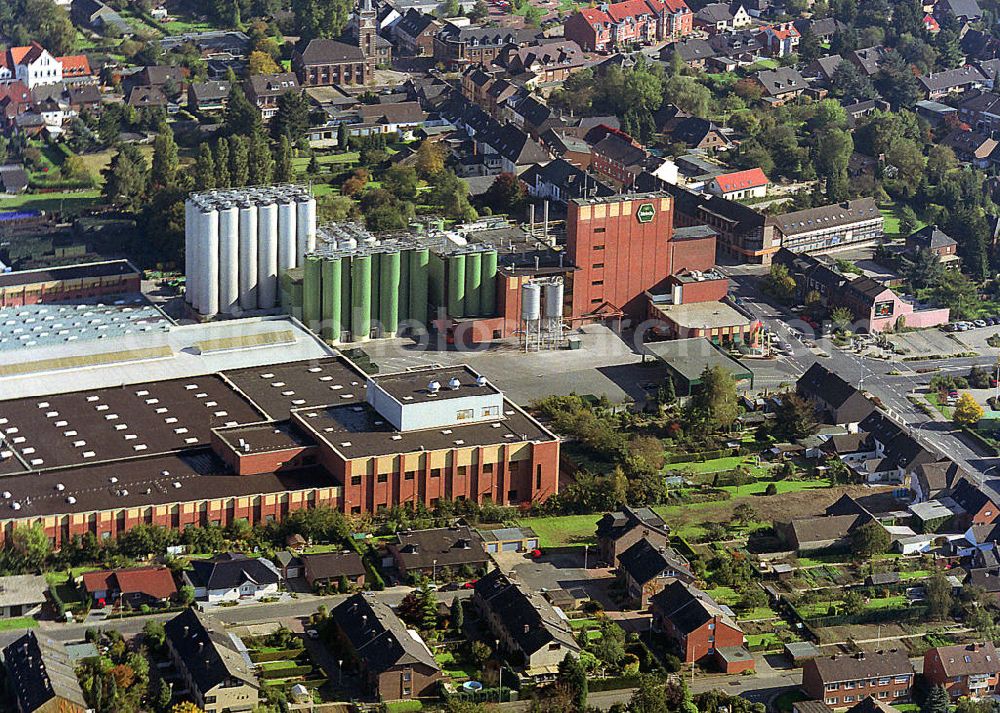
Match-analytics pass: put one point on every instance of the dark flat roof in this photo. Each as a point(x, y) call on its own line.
point(278, 388)
point(359, 431)
point(264, 437)
point(111, 268)
point(411, 386)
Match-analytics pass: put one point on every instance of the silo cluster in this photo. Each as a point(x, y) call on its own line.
point(468, 276)
point(542, 312)
point(239, 242)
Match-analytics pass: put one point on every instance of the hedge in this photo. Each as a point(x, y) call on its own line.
point(263, 656)
point(58, 604)
point(403, 706)
point(288, 672)
point(613, 684)
point(286, 685)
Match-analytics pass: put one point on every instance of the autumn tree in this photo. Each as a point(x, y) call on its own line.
point(967, 410)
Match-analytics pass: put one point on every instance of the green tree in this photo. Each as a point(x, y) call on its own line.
point(343, 137)
point(32, 544)
point(452, 194)
point(937, 701)
point(50, 25)
point(507, 194)
point(401, 181)
point(321, 18)
point(479, 11)
point(126, 178)
point(204, 169)
point(241, 117)
point(292, 116)
point(164, 170)
point(833, 151)
point(854, 603)
point(260, 159)
point(185, 595)
point(869, 539)
point(383, 211)
point(841, 318)
point(939, 596)
point(573, 677)
point(154, 635)
point(794, 418)
point(283, 172)
point(780, 283)
point(715, 402)
point(923, 269)
point(457, 615)
point(610, 647)
point(239, 161)
point(223, 179)
point(163, 696)
point(907, 220)
point(430, 159)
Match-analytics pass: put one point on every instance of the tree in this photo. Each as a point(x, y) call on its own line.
point(204, 169)
point(283, 172)
point(321, 18)
point(343, 137)
point(479, 11)
point(154, 634)
point(794, 418)
point(655, 694)
point(32, 544)
point(292, 116)
point(74, 168)
point(125, 178)
point(164, 170)
point(506, 195)
point(939, 596)
point(809, 46)
point(223, 179)
point(164, 694)
point(430, 159)
point(908, 219)
point(50, 25)
point(780, 283)
point(419, 608)
point(610, 647)
point(383, 211)
point(924, 269)
point(715, 402)
point(239, 161)
point(185, 595)
point(869, 539)
point(833, 151)
point(937, 701)
point(841, 318)
point(260, 158)
point(848, 82)
point(241, 117)
point(967, 411)
point(401, 181)
point(457, 615)
point(262, 63)
point(452, 194)
point(574, 678)
point(186, 707)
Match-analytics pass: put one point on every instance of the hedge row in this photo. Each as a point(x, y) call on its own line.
point(612, 684)
point(264, 656)
point(288, 672)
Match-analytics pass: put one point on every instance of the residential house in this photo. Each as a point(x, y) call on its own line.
point(529, 114)
point(889, 453)
point(263, 91)
point(618, 25)
point(328, 569)
point(567, 145)
point(148, 97)
point(647, 568)
point(31, 65)
point(697, 133)
point(512, 150)
point(696, 624)
point(322, 62)
point(978, 506)
point(932, 480)
point(823, 68)
point(231, 577)
point(930, 24)
point(972, 146)
point(718, 17)
point(981, 112)
point(781, 85)
point(213, 663)
point(401, 118)
point(867, 60)
point(41, 676)
point(938, 85)
point(132, 586)
point(458, 46)
point(393, 661)
point(529, 629)
point(450, 551)
point(619, 158)
point(826, 532)
point(547, 63)
point(780, 40)
point(841, 681)
point(964, 670)
point(936, 241)
point(22, 594)
point(741, 185)
point(823, 28)
point(961, 10)
point(693, 51)
point(82, 97)
point(856, 222)
point(618, 531)
point(414, 33)
point(289, 564)
point(836, 401)
point(560, 181)
point(208, 96)
point(99, 17)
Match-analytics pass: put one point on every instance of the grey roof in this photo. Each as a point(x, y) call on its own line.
point(40, 670)
point(264, 85)
point(690, 357)
point(448, 546)
point(613, 525)
point(930, 237)
point(332, 565)
point(230, 570)
point(691, 49)
point(620, 150)
point(23, 590)
point(378, 636)
point(868, 58)
point(644, 561)
point(211, 655)
point(867, 665)
point(714, 12)
point(951, 78)
point(827, 65)
point(210, 91)
point(326, 51)
point(827, 216)
point(688, 608)
point(968, 9)
point(414, 23)
point(781, 81)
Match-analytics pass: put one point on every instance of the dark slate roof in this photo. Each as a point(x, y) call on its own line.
point(872, 664)
point(620, 150)
point(570, 179)
point(986, 577)
point(379, 637)
point(691, 130)
point(968, 9)
point(951, 78)
point(527, 616)
point(808, 530)
point(781, 81)
point(263, 85)
point(826, 66)
point(820, 383)
point(39, 670)
point(210, 91)
point(534, 112)
point(827, 216)
point(414, 22)
point(689, 608)
point(729, 44)
point(967, 659)
point(449, 546)
point(969, 496)
point(486, 36)
point(938, 476)
point(823, 27)
point(332, 565)
point(326, 51)
point(613, 525)
point(691, 49)
point(211, 655)
point(644, 562)
point(869, 58)
point(982, 101)
point(714, 12)
point(230, 570)
point(930, 237)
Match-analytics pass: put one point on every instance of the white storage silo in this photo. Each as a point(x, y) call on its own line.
point(229, 256)
point(248, 256)
point(208, 285)
point(286, 236)
point(305, 227)
point(554, 299)
point(189, 255)
point(267, 255)
point(531, 300)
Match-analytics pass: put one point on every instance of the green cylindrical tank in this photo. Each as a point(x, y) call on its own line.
point(361, 297)
point(473, 281)
point(376, 293)
point(296, 292)
point(419, 269)
point(346, 313)
point(488, 290)
point(389, 297)
point(456, 286)
point(404, 285)
point(435, 284)
point(330, 297)
point(312, 285)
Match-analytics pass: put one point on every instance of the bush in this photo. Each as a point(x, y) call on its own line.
point(288, 672)
point(280, 655)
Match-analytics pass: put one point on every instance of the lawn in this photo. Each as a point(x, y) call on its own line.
point(782, 486)
point(934, 400)
point(891, 215)
point(563, 530)
point(66, 201)
point(822, 608)
point(21, 622)
point(716, 465)
point(452, 667)
point(577, 624)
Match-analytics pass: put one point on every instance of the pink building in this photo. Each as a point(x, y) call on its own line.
point(878, 308)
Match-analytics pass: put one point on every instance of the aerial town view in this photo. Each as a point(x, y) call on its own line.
point(499, 356)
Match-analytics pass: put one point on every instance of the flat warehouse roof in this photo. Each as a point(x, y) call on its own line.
point(110, 268)
point(123, 422)
point(690, 357)
point(279, 388)
point(150, 481)
point(359, 431)
point(411, 386)
point(704, 315)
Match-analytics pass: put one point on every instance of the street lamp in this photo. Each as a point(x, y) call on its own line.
point(585, 548)
point(340, 673)
point(434, 564)
point(499, 672)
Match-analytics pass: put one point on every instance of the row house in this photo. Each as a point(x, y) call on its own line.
point(697, 625)
point(263, 91)
point(938, 85)
point(842, 681)
point(964, 670)
point(981, 112)
point(619, 158)
point(457, 46)
point(414, 33)
point(617, 25)
point(34, 66)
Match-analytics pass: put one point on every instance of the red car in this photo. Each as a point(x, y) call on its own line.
point(536, 554)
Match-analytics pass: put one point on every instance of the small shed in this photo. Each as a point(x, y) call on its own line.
point(882, 579)
point(510, 539)
point(734, 659)
point(800, 651)
point(295, 542)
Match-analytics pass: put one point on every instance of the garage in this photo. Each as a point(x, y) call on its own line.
point(510, 539)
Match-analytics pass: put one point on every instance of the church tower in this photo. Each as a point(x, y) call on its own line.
point(367, 37)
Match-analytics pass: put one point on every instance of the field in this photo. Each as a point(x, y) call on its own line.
point(66, 201)
point(21, 622)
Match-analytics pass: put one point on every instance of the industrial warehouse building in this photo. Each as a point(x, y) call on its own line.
point(260, 442)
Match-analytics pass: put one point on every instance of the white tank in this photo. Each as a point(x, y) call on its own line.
point(229, 260)
point(286, 237)
point(347, 244)
point(554, 299)
point(189, 284)
point(531, 299)
point(267, 255)
point(248, 257)
point(305, 227)
point(208, 288)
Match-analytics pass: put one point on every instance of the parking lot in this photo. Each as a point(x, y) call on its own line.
point(974, 340)
point(928, 343)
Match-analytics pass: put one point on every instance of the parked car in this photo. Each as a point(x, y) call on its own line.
point(979, 322)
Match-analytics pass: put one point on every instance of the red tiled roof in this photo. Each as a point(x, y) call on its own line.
point(620, 11)
point(931, 24)
point(156, 582)
point(741, 180)
point(75, 65)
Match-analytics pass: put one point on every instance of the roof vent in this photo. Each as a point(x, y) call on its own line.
point(481, 380)
point(60, 487)
point(16, 506)
point(71, 500)
point(454, 384)
point(433, 387)
point(112, 479)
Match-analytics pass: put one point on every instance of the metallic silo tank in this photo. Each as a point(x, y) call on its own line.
point(531, 301)
point(554, 299)
point(312, 281)
point(419, 267)
point(346, 313)
point(189, 257)
point(248, 257)
point(404, 285)
point(229, 259)
point(473, 282)
point(488, 290)
point(305, 227)
point(330, 299)
point(456, 286)
point(286, 237)
point(436, 287)
point(376, 293)
point(389, 293)
point(361, 297)
point(208, 285)
point(267, 255)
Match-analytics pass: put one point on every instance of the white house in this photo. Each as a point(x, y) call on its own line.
point(32, 65)
point(232, 577)
point(740, 185)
